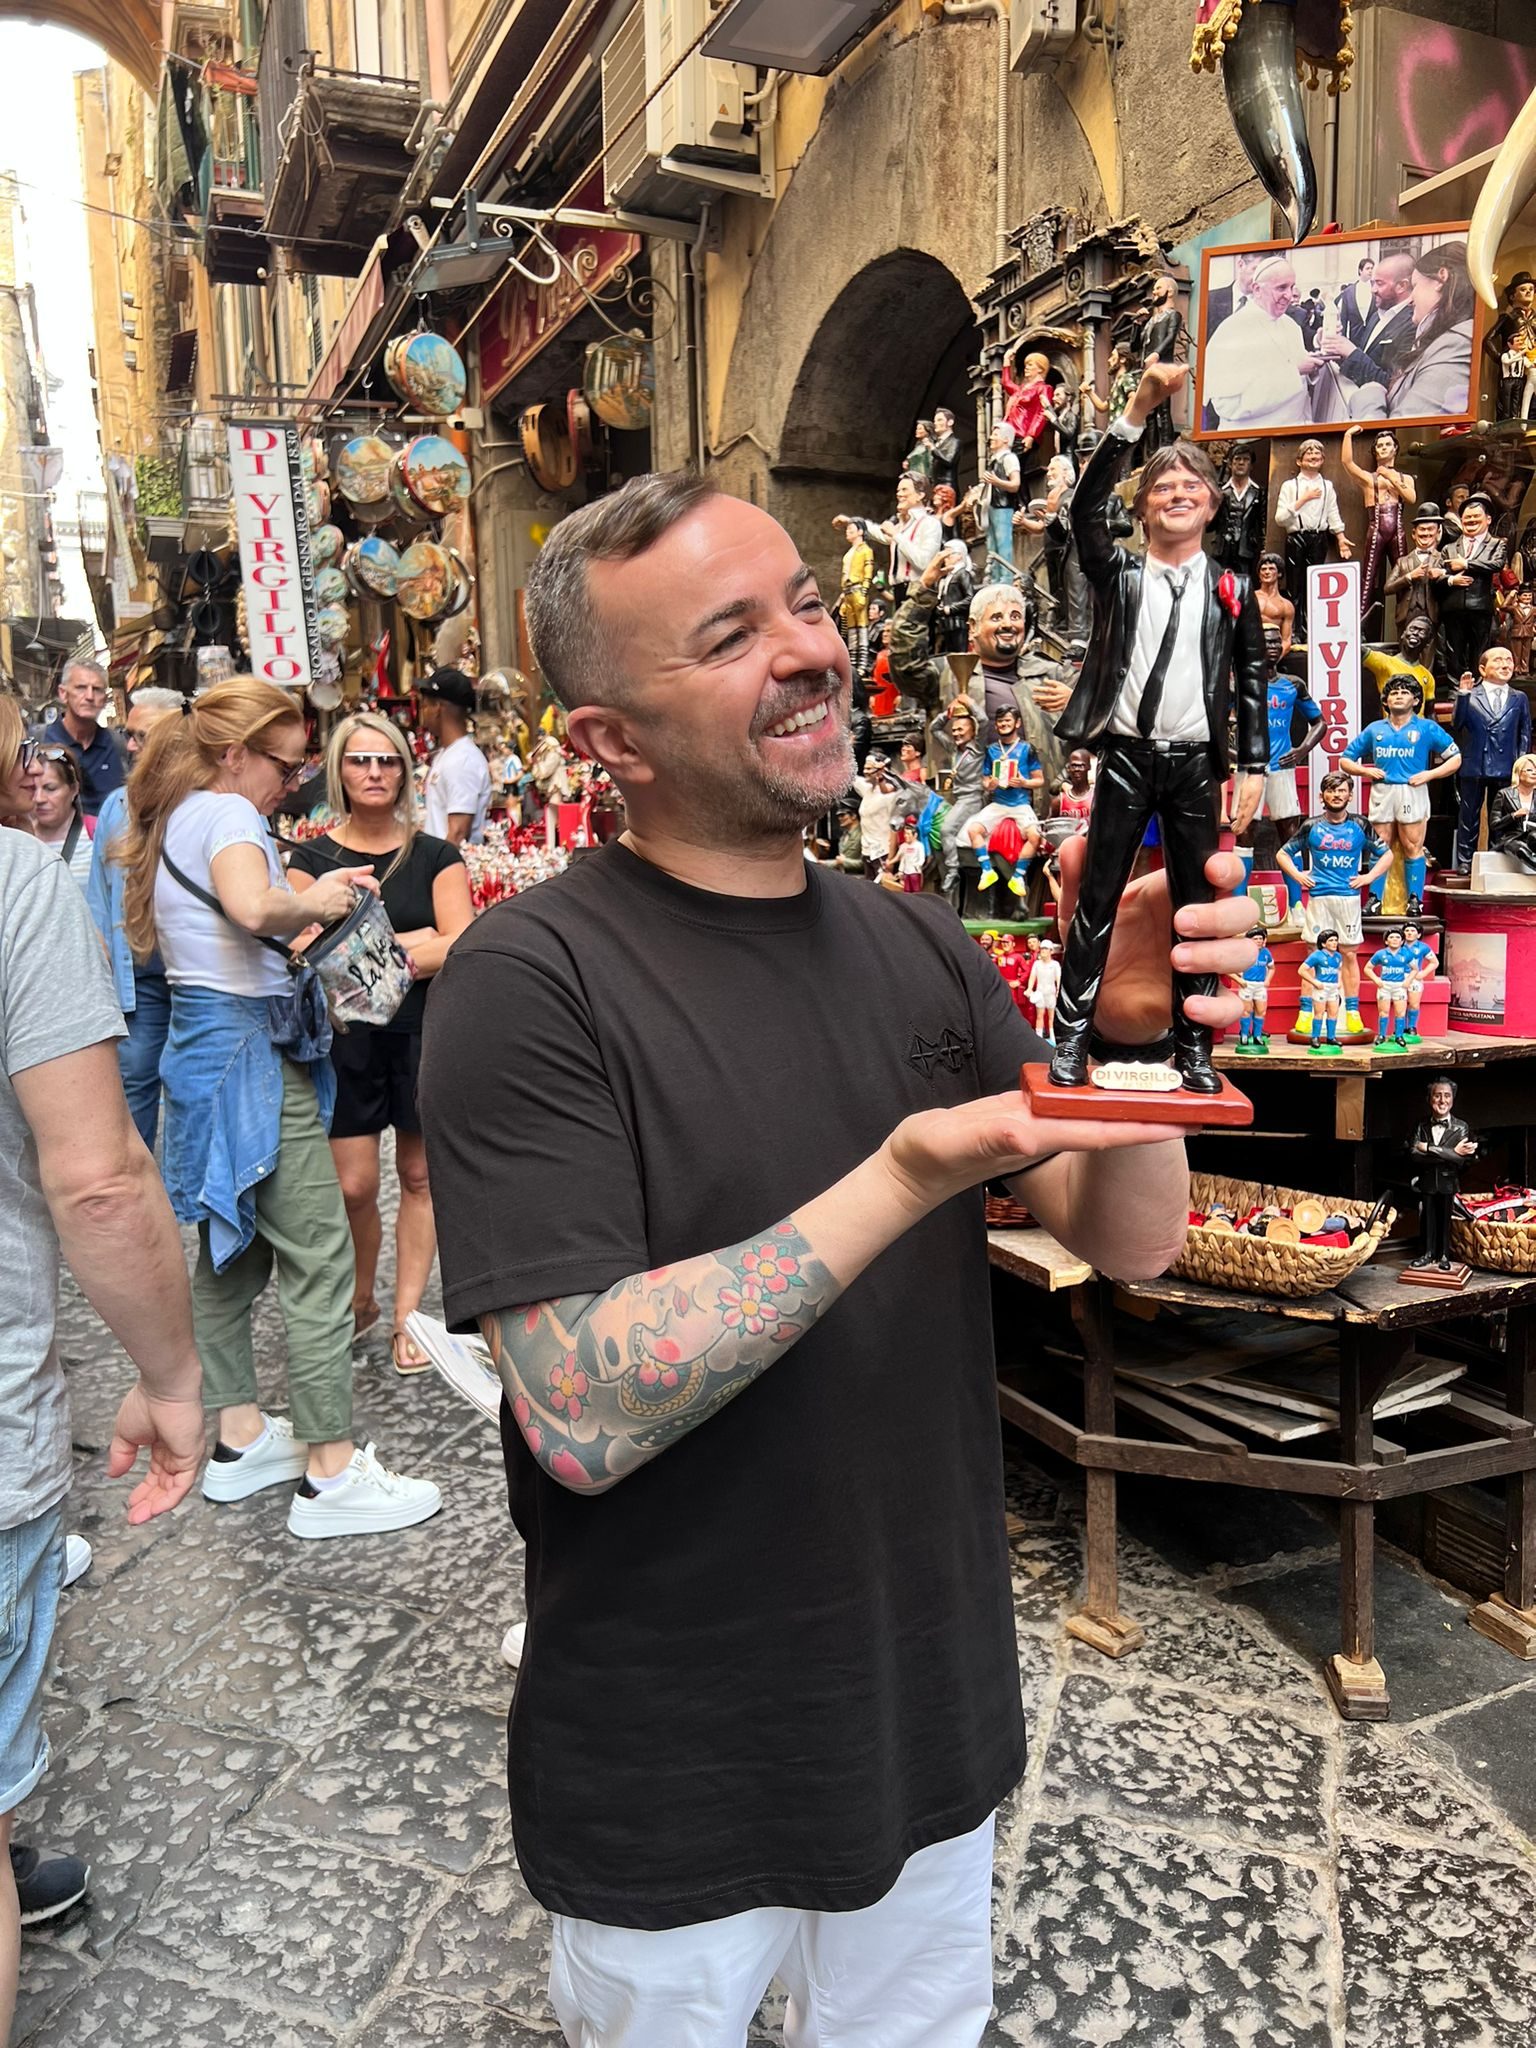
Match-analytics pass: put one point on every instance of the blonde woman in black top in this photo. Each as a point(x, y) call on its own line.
point(425, 888)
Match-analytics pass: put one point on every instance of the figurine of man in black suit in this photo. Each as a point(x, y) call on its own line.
point(1239, 531)
point(1170, 633)
point(1440, 1148)
point(1466, 599)
point(946, 448)
point(1492, 727)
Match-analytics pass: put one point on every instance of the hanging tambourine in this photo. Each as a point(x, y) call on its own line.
point(578, 424)
point(433, 585)
point(547, 447)
point(434, 473)
point(330, 586)
point(317, 502)
point(372, 566)
point(327, 545)
point(403, 507)
point(332, 625)
point(324, 693)
point(427, 371)
point(362, 469)
point(620, 381)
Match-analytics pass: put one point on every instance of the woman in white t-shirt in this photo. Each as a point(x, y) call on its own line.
point(248, 1097)
point(57, 819)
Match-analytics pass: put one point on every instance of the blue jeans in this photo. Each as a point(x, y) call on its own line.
point(138, 1055)
point(1000, 542)
point(31, 1579)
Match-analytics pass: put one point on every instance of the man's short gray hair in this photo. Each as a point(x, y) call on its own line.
point(574, 654)
point(82, 665)
point(988, 595)
point(153, 698)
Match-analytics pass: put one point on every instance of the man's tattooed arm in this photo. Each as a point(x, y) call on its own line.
point(600, 1383)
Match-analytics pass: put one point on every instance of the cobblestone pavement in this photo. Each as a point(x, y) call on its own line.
point(285, 1762)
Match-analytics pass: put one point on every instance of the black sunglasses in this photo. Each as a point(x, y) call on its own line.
point(293, 771)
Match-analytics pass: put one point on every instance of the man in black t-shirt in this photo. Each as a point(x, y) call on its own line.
point(700, 1114)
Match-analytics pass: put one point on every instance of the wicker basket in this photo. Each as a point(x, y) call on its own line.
point(1262, 1265)
point(1495, 1246)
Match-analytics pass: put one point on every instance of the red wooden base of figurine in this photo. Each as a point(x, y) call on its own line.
point(1133, 1105)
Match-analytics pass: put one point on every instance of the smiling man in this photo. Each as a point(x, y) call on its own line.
point(731, 1260)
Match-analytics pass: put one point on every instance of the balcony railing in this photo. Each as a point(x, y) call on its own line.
point(203, 466)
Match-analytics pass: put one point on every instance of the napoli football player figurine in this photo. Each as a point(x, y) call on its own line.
point(1287, 699)
point(1333, 858)
point(1399, 756)
point(1321, 976)
point(1174, 641)
point(1421, 965)
point(1390, 970)
point(1252, 987)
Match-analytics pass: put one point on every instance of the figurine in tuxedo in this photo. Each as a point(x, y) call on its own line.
point(1466, 604)
point(1170, 633)
point(1492, 727)
point(1440, 1148)
point(1239, 530)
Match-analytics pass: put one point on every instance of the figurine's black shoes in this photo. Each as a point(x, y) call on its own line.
point(1069, 1062)
point(1200, 1077)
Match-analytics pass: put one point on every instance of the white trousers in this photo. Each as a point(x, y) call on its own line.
point(912, 1971)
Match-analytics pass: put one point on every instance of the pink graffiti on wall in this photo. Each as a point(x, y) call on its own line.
point(1429, 58)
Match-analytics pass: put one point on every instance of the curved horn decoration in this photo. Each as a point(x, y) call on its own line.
point(1265, 95)
point(1507, 190)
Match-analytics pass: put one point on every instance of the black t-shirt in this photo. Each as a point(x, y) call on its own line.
point(773, 1663)
point(407, 895)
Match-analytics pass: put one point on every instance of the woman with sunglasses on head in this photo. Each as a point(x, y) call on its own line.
point(425, 887)
point(18, 761)
point(249, 1090)
point(57, 819)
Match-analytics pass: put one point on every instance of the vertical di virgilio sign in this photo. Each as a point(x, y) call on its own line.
point(1334, 650)
point(272, 522)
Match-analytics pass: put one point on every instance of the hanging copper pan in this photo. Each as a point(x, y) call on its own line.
point(547, 447)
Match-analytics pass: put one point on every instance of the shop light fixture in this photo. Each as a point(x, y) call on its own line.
point(792, 35)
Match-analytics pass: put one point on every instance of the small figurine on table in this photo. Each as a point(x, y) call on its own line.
point(1012, 774)
point(1252, 986)
point(1321, 975)
point(1521, 613)
point(1275, 608)
point(1042, 988)
point(1420, 956)
point(858, 575)
point(1027, 398)
point(911, 860)
point(1441, 1147)
point(1333, 858)
point(1075, 797)
point(1010, 965)
point(1418, 578)
point(1492, 725)
point(1512, 821)
point(1390, 971)
point(1387, 490)
point(1400, 755)
point(1239, 530)
point(1513, 340)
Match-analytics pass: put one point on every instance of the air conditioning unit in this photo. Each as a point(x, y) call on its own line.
point(667, 146)
point(1043, 32)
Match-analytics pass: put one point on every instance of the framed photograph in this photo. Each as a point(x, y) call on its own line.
point(1380, 328)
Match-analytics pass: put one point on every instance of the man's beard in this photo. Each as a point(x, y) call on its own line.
point(766, 802)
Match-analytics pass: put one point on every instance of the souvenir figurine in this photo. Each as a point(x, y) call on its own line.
point(1466, 604)
point(1512, 340)
point(1307, 513)
point(1417, 581)
point(955, 732)
point(1074, 799)
point(1064, 411)
point(1041, 990)
point(1440, 1148)
point(946, 448)
point(1389, 971)
point(1170, 637)
point(1320, 975)
point(1512, 821)
point(1455, 498)
point(1252, 986)
point(1522, 627)
point(1492, 728)
point(1287, 699)
point(1239, 530)
point(1399, 755)
point(1386, 490)
point(1160, 344)
point(1123, 379)
point(1027, 398)
point(858, 574)
point(911, 860)
point(1000, 501)
point(919, 457)
point(1421, 965)
point(1063, 570)
point(1332, 859)
point(1012, 774)
point(1275, 608)
point(1011, 966)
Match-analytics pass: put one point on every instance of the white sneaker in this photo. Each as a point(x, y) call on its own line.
point(77, 1559)
point(371, 1498)
point(512, 1644)
point(276, 1459)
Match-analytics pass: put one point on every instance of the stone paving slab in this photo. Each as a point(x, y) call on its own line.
point(490, 1943)
point(131, 2005)
point(417, 2021)
point(1495, 1746)
point(313, 1927)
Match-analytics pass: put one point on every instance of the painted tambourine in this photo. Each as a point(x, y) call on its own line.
point(547, 447)
point(434, 473)
point(434, 583)
point(373, 566)
point(620, 381)
point(317, 502)
point(362, 469)
point(327, 545)
point(332, 624)
point(330, 586)
point(428, 373)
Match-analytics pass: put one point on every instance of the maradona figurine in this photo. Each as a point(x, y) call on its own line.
point(1390, 971)
point(1399, 755)
point(1252, 987)
point(1170, 638)
point(1321, 975)
point(1421, 965)
point(1333, 858)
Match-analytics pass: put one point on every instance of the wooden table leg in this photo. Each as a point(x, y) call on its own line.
point(1355, 1677)
point(1100, 1623)
point(1509, 1618)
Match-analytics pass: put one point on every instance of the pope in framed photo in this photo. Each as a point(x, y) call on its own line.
point(1375, 328)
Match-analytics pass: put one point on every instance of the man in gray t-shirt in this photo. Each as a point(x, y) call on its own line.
point(74, 1178)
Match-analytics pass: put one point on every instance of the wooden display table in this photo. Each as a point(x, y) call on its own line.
point(1375, 1320)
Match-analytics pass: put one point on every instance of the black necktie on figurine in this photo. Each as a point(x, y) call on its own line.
point(1152, 695)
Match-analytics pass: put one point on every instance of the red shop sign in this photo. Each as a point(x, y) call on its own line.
point(523, 316)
